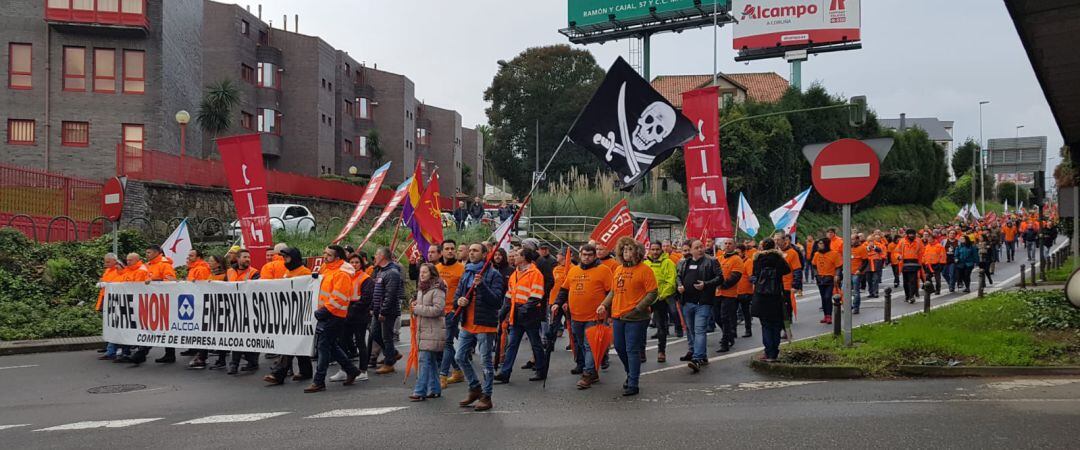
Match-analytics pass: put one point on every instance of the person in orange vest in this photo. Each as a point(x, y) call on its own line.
point(934, 261)
point(731, 267)
point(634, 290)
point(198, 270)
point(294, 267)
point(274, 269)
point(894, 258)
point(114, 273)
point(909, 251)
point(745, 289)
point(354, 334)
point(524, 308)
point(335, 291)
point(876, 251)
point(243, 272)
point(860, 263)
point(161, 269)
point(134, 272)
point(828, 264)
point(218, 268)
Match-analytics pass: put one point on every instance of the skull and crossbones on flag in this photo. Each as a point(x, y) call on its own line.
point(629, 125)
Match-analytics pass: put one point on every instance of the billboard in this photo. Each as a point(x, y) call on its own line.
point(783, 23)
point(1016, 155)
point(592, 12)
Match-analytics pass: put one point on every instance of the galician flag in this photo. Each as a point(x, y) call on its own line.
point(785, 217)
point(500, 233)
point(975, 212)
point(178, 245)
point(748, 222)
point(962, 215)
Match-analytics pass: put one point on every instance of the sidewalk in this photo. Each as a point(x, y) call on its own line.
point(50, 345)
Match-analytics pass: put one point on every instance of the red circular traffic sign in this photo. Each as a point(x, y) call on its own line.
point(846, 171)
point(112, 199)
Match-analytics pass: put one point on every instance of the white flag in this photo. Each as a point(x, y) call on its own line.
point(1021, 209)
point(975, 212)
point(1005, 209)
point(787, 215)
point(748, 222)
point(500, 234)
point(962, 215)
point(178, 245)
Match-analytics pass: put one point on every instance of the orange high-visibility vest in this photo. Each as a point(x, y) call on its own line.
point(336, 287)
point(111, 275)
point(523, 285)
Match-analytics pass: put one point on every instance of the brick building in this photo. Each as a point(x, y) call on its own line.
point(85, 76)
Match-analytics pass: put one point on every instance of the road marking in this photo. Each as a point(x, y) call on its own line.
point(232, 418)
point(100, 424)
point(1013, 385)
point(17, 425)
point(974, 400)
point(752, 386)
point(357, 412)
point(837, 171)
point(19, 367)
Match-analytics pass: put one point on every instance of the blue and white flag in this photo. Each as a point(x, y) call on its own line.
point(975, 212)
point(785, 217)
point(748, 222)
point(962, 215)
point(178, 245)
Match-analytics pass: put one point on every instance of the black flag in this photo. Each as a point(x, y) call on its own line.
point(629, 125)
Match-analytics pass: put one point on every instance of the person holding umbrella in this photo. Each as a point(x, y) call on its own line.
point(583, 290)
point(634, 291)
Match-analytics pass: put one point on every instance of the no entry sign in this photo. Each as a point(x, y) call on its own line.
point(112, 199)
point(845, 171)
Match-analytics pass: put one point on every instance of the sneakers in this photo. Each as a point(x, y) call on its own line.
point(828, 320)
point(197, 363)
point(695, 365)
point(456, 376)
point(824, 319)
point(339, 376)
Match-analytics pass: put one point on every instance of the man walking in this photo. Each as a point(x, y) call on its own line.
point(524, 307)
point(479, 309)
point(910, 251)
point(161, 269)
point(450, 271)
point(696, 280)
point(388, 294)
point(633, 292)
point(731, 267)
point(583, 290)
point(243, 272)
point(334, 292)
point(664, 271)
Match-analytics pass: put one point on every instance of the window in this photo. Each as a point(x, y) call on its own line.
point(347, 70)
point(330, 86)
point(264, 38)
point(20, 131)
point(245, 28)
point(75, 134)
point(421, 136)
point(247, 73)
point(74, 69)
point(728, 97)
point(133, 136)
point(60, 4)
point(247, 120)
point(133, 6)
point(347, 148)
point(268, 76)
point(330, 121)
point(108, 5)
point(19, 63)
point(363, 110)
point(82, 5)
point(324, 83)
point(134, 70)
point(363, 146)
point(104, 70)
point(269, 121)
point(350, 111)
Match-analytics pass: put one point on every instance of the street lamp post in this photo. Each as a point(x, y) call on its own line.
point(982, 170)
point(1017, 183)
point(182, 118)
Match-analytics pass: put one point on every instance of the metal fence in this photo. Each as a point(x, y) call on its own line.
point(49, 207)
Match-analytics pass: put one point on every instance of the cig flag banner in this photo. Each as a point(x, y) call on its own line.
point(629, 125)
point(399, 194)
point(709, 216)
point(617, 223)
point(372, 188)
point(642, 235)
point(786, 216)
point(266, 316)
point(748, 222)
point(178, 245)
point(243, 161)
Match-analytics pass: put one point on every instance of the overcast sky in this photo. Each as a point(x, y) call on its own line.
point(926, 58)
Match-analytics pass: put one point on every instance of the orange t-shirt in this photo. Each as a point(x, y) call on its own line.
point(729, 265)
point(858, 257)
point(675, 257)
point(792, 258)
point(559, 273)
point(586, 290)
point(451, 275)
point(827, 263)
point(610, 263)
point(745, 287)
point(1010, 233)
point(630, 285)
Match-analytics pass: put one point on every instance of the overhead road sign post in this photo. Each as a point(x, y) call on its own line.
point(599, 21)
point(844, 172)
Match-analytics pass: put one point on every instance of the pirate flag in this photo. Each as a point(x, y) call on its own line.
point(629, 125)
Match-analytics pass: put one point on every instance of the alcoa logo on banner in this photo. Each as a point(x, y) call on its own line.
point(185, 308)
point(783, 12)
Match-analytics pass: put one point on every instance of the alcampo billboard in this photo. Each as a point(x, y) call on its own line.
point(591, 12)
point(781, 23)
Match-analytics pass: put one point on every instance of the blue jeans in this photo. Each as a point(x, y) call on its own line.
point(873, 283)
point(112, 349)
point(950, 276)
point(330, 349)
point(770, 337)
point(427, 381)
point(826, 292)
point(583, 355)
point(518, 332)
point(697, 318)
point(448, 359)
point(629, 337)
point(1030, 247)
point(856, 294)
point(466, 343)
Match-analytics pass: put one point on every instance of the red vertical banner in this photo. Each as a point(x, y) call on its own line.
point(243, 161)
point(708, 216)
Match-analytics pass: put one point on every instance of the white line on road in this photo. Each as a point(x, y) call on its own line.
point(1013, 385)
point(974, 400)
point(232, 418)
point(100, 424)
point(357, 412)
point(17, 425)
point(19, 367)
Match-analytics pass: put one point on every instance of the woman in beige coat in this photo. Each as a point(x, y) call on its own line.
point(431, 331)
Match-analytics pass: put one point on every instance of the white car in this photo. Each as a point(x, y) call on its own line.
point(292, 219)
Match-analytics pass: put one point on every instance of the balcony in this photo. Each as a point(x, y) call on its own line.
point(111, 17)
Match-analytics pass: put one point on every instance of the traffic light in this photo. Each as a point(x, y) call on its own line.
point(857, 111)
point(1038, 192)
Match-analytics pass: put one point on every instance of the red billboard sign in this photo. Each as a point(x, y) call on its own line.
point(781, 23)
point(708, 216)
point(243, 161)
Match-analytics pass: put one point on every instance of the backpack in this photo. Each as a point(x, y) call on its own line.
point(767, 281)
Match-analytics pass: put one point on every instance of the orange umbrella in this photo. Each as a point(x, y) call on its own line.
point(414, 349)
point(599, 338)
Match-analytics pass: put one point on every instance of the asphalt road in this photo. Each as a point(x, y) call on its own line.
point(45, 403)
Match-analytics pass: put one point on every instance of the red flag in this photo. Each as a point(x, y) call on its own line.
point(642, 235)
point(428, 215)
point(708, 215)
point(243, 161)
point(616, 224)
point(365, 201)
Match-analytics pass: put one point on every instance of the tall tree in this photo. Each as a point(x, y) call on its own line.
point(545, 88)
point(374, 148)
point(964, 157)
point(215, 115)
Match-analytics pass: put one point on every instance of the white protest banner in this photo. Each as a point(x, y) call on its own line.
point(266, 316)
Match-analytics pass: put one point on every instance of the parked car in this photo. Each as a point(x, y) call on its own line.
point(292, 219)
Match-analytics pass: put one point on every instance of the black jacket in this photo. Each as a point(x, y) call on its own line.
point(708, 272)
point(488, 295)
point(476, 211)
point(769, 307)
point(389, 291)
point(546, 265)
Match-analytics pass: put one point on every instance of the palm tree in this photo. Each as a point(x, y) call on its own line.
point(216, 108)
point(374, 149)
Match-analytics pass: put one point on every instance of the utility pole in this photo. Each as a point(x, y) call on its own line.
point(982, 171)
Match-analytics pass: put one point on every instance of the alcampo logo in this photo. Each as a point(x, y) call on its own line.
point(792, 11)
point(185, 308)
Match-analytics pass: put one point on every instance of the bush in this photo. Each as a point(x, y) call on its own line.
point(1049, 310)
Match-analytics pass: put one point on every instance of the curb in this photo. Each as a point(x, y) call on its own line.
point(809, 372)
point(51, 345)
point(986, 371)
